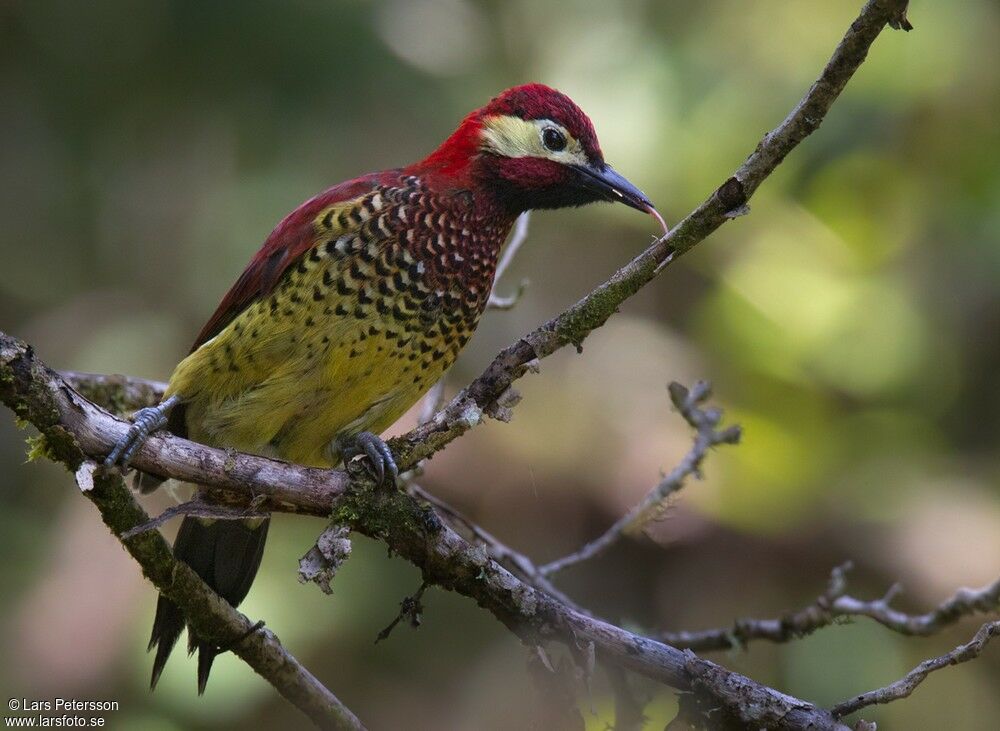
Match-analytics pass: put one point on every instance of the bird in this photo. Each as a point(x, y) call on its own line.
point(356, 304)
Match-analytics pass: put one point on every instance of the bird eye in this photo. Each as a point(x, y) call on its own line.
point(553, 139)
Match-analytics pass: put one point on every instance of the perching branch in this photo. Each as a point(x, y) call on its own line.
point(40, 397)
point(73, 427)
point(136, 393)
point(835, 604)
point(831, 605)
point(704, 422)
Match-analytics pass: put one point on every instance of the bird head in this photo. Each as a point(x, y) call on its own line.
point(533, 147)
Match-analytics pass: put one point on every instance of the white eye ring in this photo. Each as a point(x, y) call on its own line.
point(553, 139)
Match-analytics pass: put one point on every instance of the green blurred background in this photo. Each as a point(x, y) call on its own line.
point(850, 325)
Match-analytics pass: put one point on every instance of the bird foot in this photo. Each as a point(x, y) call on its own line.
point(380, 463)
point(144, 422)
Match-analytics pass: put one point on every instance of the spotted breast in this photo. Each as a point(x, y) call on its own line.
point(355, 332)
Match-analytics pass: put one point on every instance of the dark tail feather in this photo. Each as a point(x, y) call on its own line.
point(206, 656)
point(226, 554)
point(166, 629)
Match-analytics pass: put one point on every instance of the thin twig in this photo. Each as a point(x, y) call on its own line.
point(195, 507)
point(908, 683)
point(963, 603)
point(704, 422)
point(496, 302)
point(410, 609)
point(517, 239)
point(835, 604)
point(431, 402)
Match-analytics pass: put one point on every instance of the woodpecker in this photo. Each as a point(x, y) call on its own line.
point(356, 304)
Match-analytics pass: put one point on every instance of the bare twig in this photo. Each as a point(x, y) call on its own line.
point(411, 609)
point(432, 401)
point(835, 604)
point(496, 302)
point(704, 422)
point(963, 603)
point(908, 683)
point(517, 239)
point(195, 507)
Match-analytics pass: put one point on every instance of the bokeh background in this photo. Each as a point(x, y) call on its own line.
point(850, 324)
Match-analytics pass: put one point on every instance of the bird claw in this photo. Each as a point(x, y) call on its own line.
point(380, 463)
point(144, 422)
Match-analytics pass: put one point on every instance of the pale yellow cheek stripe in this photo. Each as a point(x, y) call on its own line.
point(515, 137)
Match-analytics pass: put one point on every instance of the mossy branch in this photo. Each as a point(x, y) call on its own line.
point(41, 397)
point(76, 431)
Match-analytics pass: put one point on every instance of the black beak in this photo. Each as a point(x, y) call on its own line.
point(611, 186)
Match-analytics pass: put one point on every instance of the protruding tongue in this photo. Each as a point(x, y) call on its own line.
point(656, 214)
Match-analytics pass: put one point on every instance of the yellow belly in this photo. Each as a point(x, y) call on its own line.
point(307, 365)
